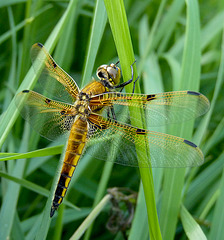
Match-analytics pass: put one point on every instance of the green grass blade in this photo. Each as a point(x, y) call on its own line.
point(208, 33)
point(37, 153)
point(106, 173)
point(10, 2)
point(191, 227)
point(92, 216)
point(33, 187)
point(215, 138)
point(211, 30)
point(139, 229)
point(22, 24)
point(26, 184)
point(207, 177)
point(151, 43)
point(8, 208)
point(119, 26)
point(17, 232)
point(168, 23)
point(217, 231)
point(217, 90)
point(190, 73)
point(98, 27)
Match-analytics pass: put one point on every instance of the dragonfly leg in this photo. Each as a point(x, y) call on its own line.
point(122, 85)
point(111, 110)
point(134, 84)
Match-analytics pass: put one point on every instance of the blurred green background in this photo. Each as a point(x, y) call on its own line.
point(178, 45)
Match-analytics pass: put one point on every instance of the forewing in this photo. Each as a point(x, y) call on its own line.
point(48, 117)
point(159, 109)
point(109, 138)
point(64, 88)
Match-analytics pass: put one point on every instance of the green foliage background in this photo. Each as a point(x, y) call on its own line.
point(178, 45)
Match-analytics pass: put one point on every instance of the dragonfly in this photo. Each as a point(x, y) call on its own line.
point(98, 117)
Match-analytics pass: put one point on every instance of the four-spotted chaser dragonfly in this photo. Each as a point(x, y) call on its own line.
point(90, 117)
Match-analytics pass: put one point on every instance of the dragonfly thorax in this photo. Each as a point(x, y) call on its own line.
point(109, 75)
point(82, 105)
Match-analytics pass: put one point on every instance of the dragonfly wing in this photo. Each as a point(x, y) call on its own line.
point(109, 138)
point(64, 88)
point(48, 117)
point(159, 109)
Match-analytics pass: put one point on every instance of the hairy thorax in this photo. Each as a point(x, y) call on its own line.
point(82, 106)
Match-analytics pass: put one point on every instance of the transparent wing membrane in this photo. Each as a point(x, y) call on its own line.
point(119, 140)
point(53, 78)
point(48, 117)
point(159, 109)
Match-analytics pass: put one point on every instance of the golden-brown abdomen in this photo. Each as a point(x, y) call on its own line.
point(75, 145)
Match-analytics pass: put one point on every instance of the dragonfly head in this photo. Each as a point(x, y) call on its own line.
point(109, 73)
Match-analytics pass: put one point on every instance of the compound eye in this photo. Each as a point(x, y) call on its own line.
point(102, 73)
point(112, 72)
point(115, 73)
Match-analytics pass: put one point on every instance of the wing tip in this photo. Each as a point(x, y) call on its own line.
point(190, 143)
point(193, 93)
point(25, 91)
point(40, 45)
point(203, 100)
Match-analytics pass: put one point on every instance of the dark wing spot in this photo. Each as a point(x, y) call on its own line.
point(25, 91)
point(193, 93)
point(54, 64)
point(150, 97)
point(62, 112)
point(140, 131)
point(104, 126)
point(190, 143)
point(47, 100)
point(40, 45)
point(101, 126)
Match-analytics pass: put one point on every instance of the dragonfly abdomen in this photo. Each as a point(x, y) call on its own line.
point(75, 145)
